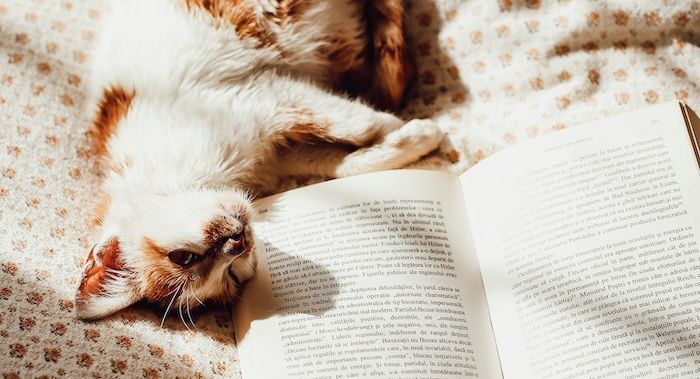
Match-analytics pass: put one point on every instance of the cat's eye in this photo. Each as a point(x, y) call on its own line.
point(183, 257)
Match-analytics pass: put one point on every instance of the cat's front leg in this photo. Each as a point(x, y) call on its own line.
point(397, 149)
point(382, 140)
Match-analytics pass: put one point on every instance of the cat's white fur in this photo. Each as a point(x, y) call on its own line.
point(203, 132)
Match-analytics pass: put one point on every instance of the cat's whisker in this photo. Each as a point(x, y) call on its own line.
point(179, 310)
point(174, 292)
point(196, 298)
point(189, 315)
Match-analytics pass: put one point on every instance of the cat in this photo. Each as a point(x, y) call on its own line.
point(202, 105)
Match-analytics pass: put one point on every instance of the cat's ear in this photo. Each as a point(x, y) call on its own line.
point(107, 285)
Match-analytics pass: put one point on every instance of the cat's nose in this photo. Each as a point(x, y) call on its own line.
point(234, 245)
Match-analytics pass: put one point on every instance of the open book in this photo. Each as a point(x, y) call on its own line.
point(571, 255)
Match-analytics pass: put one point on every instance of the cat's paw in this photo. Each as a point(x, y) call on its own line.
point(416, 138)
point(399, 148)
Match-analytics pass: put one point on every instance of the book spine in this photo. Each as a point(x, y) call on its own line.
point(692, 123)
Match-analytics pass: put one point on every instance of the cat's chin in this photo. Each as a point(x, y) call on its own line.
point(243, 267)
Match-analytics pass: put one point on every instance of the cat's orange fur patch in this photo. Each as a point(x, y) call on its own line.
point(349, 68)
point(302, 125)
point(96, 273)
point(288, 11)
point(217, 228)
point(393, 70)
point(240, 15)
point(113, 106)
point(152, 249)
point(382, 71)
point(162, 279)
point(308, 132)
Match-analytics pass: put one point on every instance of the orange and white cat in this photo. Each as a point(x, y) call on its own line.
point(200, 105)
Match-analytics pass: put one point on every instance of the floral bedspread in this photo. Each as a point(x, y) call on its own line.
point(491, 73)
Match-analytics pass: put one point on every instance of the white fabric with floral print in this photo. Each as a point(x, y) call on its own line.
point(490, 72)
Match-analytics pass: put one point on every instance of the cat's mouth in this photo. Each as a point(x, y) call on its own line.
point(234, 245)
point(240, 247)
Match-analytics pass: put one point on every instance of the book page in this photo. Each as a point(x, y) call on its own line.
point(366, 276)
point(588, 244)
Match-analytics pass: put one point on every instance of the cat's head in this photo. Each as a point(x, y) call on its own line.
point(178, 251)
